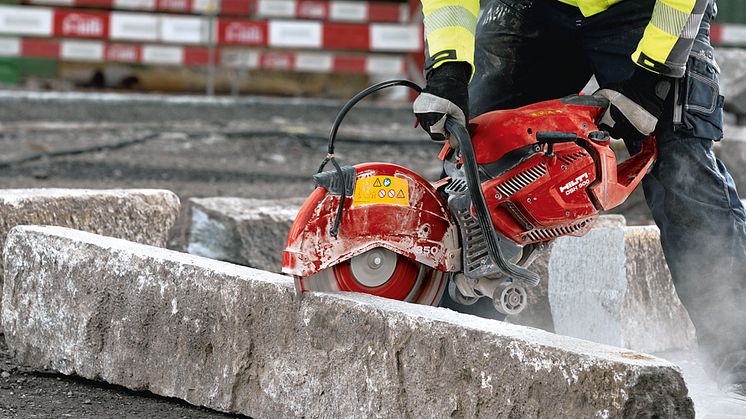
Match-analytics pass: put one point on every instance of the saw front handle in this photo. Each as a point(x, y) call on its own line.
point(480, 206)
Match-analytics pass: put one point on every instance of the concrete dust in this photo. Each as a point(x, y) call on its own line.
point(710, 402)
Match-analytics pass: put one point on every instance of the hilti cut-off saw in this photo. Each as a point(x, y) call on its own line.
point(514, 181)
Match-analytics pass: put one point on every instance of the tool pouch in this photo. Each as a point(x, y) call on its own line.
point(699, 105)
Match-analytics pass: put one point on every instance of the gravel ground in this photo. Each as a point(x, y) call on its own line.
point(25, 393)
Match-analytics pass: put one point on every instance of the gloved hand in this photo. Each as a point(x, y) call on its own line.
point(446, 94)
point(634, 105)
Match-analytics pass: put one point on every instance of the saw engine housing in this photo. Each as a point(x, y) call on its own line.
point(544, 171)
point(547, 170)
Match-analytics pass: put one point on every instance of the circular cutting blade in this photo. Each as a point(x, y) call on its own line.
point(383, 273)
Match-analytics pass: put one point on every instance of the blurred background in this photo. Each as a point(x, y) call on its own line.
point(320, 48)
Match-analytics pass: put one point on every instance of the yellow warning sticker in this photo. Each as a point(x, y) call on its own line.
point(381, 190)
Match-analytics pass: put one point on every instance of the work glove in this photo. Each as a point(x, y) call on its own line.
point(634, 105)
point(446, 94)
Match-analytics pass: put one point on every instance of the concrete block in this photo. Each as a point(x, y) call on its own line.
point(538, 313)
point(613, 286)
point(144, 216)
point(249, 232)
point(732, 151)
point(238, 340)
point(653, 317)
point(732, 62)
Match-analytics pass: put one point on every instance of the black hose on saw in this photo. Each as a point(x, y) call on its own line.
point(334, 230)
point(480, 206)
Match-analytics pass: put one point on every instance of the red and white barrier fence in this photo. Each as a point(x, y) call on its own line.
point(728, 34)
point(333, 10)
point(144, 27)
point(99, 51)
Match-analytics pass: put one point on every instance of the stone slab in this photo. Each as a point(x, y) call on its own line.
point(732, 151)
point(653, 318)
point(238, 340)
point(140, 215)
point(249, 232)
point(587, 283)
point(613, 286)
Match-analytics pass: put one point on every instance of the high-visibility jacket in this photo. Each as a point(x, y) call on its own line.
point(450, 26)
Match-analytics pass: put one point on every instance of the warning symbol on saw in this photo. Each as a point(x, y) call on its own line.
point(381, 190)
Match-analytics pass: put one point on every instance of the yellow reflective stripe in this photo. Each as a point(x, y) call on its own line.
point(685, 6)
point(669, 19)
point(429, 6)
point(450, 16)
point(452, 38)
point(450, 26)
point(656, 44)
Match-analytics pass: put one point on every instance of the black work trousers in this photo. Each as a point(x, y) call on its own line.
point(534, 50)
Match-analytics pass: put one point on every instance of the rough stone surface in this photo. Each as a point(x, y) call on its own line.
point(587, 284)
point(613, 286)
point(538, 313)
point(653, 318)
point(732, 63)
point(143, 216)
point(249, 232)
point(236, 339)
point(732, 151)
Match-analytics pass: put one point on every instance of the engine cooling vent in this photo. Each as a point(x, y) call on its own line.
point(517, 215)
point(543, 234)
point(521, 180)
point(571, 157)
point(457, 186)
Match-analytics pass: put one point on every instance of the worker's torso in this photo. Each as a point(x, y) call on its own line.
point(591, 7)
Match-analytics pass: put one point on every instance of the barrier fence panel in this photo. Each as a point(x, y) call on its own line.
point(380, 38)
point(324, 36)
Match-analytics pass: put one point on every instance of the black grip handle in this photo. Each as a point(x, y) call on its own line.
point(550, 138)
point(480, 206)
point(556, 137)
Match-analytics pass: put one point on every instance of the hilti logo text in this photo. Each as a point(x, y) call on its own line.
point(80, 25)
point(575, 184)
point(237, 32)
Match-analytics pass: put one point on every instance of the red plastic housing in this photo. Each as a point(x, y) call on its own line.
point(546, 196)
point(423, 230)
point(538, 198)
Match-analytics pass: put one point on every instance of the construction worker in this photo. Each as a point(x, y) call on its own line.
point(655, 65)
